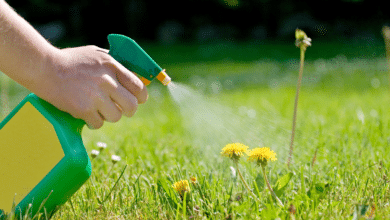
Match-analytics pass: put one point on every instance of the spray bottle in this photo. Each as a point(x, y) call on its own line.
point(43, 161)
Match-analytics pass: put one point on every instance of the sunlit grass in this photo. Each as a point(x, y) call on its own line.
point(343, 116)
point(348, 126)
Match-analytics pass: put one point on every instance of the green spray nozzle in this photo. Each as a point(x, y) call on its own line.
point(127, 52)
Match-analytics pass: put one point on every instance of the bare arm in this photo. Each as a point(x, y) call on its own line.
point(23, 51)
point(84, 81)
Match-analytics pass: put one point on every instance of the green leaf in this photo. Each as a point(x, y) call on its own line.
point(318, 190)
point(281, 183)
point(320, 187)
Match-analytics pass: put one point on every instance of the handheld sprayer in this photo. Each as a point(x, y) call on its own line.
point(43, 161)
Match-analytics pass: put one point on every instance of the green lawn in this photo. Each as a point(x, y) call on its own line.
point(342, 118)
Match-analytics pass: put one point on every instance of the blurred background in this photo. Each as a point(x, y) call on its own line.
point(211, 44)
point(84, 22)
point(222, 45)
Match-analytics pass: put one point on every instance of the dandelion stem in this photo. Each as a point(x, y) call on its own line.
point(245, 184)
point(314, 158)
point(270, 188)
point(302, 49)
point(386, 36)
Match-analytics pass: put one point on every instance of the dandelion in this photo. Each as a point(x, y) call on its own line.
point(94, 153)
point(302, 41)
point(234, 151)
point(261, 156)
point(182, 187)
point(193, 180)
point(370, 214)
point(101, 145)
point(115, 159)
point(292, 210)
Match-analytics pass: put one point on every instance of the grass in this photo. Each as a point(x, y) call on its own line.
point(342, 119)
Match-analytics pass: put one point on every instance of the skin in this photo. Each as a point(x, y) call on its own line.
point(83, 81)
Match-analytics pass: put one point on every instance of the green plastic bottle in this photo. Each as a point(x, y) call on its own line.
point(43, 161)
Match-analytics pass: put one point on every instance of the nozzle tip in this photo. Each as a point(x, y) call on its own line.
point(164, 78)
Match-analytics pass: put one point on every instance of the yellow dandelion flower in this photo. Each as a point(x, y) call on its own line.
point(181, 187)
point(193, 179)
point(234, 151)
point(261, 155)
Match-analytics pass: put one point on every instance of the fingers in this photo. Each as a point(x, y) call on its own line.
point(126, 101)
point(94, 120)
point(120, 92)
point(130, 82)
point(109, 109)
point(115, 101)
point(128, 79)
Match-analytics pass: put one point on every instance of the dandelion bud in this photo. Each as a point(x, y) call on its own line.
point(300, 35)
point(301, 39)
point(193, 180)
point(94, 153)
point(115, 159)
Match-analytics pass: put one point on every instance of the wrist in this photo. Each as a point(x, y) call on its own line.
point(43, 73)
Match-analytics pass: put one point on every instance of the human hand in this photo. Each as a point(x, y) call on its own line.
point(84, 81)
point(91, 85)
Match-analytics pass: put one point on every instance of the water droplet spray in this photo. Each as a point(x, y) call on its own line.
point(212, 125)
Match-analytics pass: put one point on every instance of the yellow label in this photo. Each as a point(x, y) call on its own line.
point(29, 149)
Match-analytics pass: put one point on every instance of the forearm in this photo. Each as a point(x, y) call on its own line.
point(24, 53)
